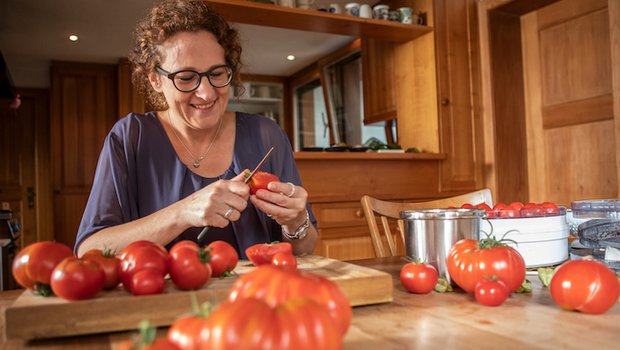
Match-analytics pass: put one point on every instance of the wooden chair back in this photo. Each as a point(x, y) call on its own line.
point(390, 211)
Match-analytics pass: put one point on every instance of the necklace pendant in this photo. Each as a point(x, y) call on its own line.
point(196, 164)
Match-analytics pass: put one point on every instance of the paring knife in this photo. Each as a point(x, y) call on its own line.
point(204, 231)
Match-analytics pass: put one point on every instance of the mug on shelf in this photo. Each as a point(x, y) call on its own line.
point(352, 9)
point(405, 15)
point(380, 12)
point(334, 8)
point(365, 11)
point(250, 91)
point(263, 91)
point(286, 3)
point(305, 4)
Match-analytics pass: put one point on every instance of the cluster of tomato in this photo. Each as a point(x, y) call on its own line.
point(302, 310)
point(51, 267)
point(492, 270)
point(516, 209)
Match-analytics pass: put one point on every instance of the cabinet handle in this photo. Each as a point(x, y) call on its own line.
point(445, 102)
point(359, 213)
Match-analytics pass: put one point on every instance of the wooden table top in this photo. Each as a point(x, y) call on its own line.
point(449, 320)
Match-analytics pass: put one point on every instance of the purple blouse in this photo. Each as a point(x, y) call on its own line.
point(139, 173)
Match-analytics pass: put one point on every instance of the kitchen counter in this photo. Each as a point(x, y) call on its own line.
point(450, 320)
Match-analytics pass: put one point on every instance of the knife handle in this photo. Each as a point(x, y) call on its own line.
point(203, 233)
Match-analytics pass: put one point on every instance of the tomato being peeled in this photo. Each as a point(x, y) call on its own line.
point(224, 258)
point(77, 279)
point(491, 292)
point(262, 253)
point(471, 261)
point(584, 285)
point(419, 278)
point(189, 265)
point(261, 180)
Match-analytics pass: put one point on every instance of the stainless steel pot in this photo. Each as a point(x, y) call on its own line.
point(430, 234)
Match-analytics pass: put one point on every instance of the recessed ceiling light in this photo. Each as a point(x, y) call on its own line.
point(290, 58)
point(73, 37)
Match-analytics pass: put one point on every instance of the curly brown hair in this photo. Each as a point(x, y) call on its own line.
point(167, 18)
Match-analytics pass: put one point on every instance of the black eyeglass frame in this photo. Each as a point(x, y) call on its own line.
point(171, 76)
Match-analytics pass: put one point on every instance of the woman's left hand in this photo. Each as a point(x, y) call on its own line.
point(284, 202)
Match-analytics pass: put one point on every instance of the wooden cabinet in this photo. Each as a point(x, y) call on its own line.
point(83, 109)
point(378, 80)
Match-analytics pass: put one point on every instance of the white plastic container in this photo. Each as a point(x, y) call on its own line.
point(541, 241)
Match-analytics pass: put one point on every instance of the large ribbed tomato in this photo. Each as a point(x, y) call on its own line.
point(33, 265)
point(584, 285)
point(248, 323)
point(276, 286)
point(471, 261)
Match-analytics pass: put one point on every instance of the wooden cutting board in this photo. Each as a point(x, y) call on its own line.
point(32, 316)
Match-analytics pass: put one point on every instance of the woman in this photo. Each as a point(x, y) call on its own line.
point(165, 175)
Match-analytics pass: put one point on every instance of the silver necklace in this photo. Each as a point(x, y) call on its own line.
point(197, 160)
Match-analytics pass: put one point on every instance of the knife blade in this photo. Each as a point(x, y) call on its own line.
point(204, 231)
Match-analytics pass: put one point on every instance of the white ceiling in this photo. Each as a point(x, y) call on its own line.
point(35, 32)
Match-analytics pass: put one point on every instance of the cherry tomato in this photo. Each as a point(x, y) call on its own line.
point(146, 281)
point(77, 279)
point(110, 264)
point(224, 258)
point(505, 211)
point(261, 180)
point(550, 208)
point(491, 292)
point(483, 206)
point(263, 253)
point(467, 206)
point(516, 205)
point(189, 265)
point(284, 261)
point(584, 285)
point(532, 210)
point(418, 278)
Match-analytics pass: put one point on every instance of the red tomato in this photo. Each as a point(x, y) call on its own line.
point(483, 206)
point(276, 286)
point(224, 258)
point(584, 285)
point(187, 332)
point(33, 265)
point(263, 253)
point(284, 261)
point(532, 210)
point(505, 211)
point(142, 255)
point(550, 208)
point(300, 324)
point(516, 205)
point(467, 206)
point(471, 261)
point(145, 282)
point(20, 264)
point(418, 278)
point(77, 279)
point(260, 180)
point(189, 265)
point(110, 264)
point(491, 293)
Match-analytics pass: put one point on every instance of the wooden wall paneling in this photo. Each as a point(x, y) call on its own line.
point(508, 103)
point(84, 107)
point(378, 80)
point(614, 40)
point(129, 100)
point(536, 160)
point(456, 58)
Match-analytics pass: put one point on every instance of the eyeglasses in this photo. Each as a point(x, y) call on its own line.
point(189, 80)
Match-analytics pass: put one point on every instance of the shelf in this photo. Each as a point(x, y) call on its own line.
point(316, 21)
point(255, 100)
point(368, 155)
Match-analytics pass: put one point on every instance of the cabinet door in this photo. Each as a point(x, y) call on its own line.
point(378, 80)
point(455, 49)
point(84, 107)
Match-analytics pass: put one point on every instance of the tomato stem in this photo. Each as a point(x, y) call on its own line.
point(44, 290)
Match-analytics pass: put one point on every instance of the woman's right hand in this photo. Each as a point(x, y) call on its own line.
point(217, 204)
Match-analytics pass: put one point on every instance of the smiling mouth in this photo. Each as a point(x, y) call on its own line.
point(204, 106)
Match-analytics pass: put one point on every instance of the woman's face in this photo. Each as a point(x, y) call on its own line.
point(198, 51)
